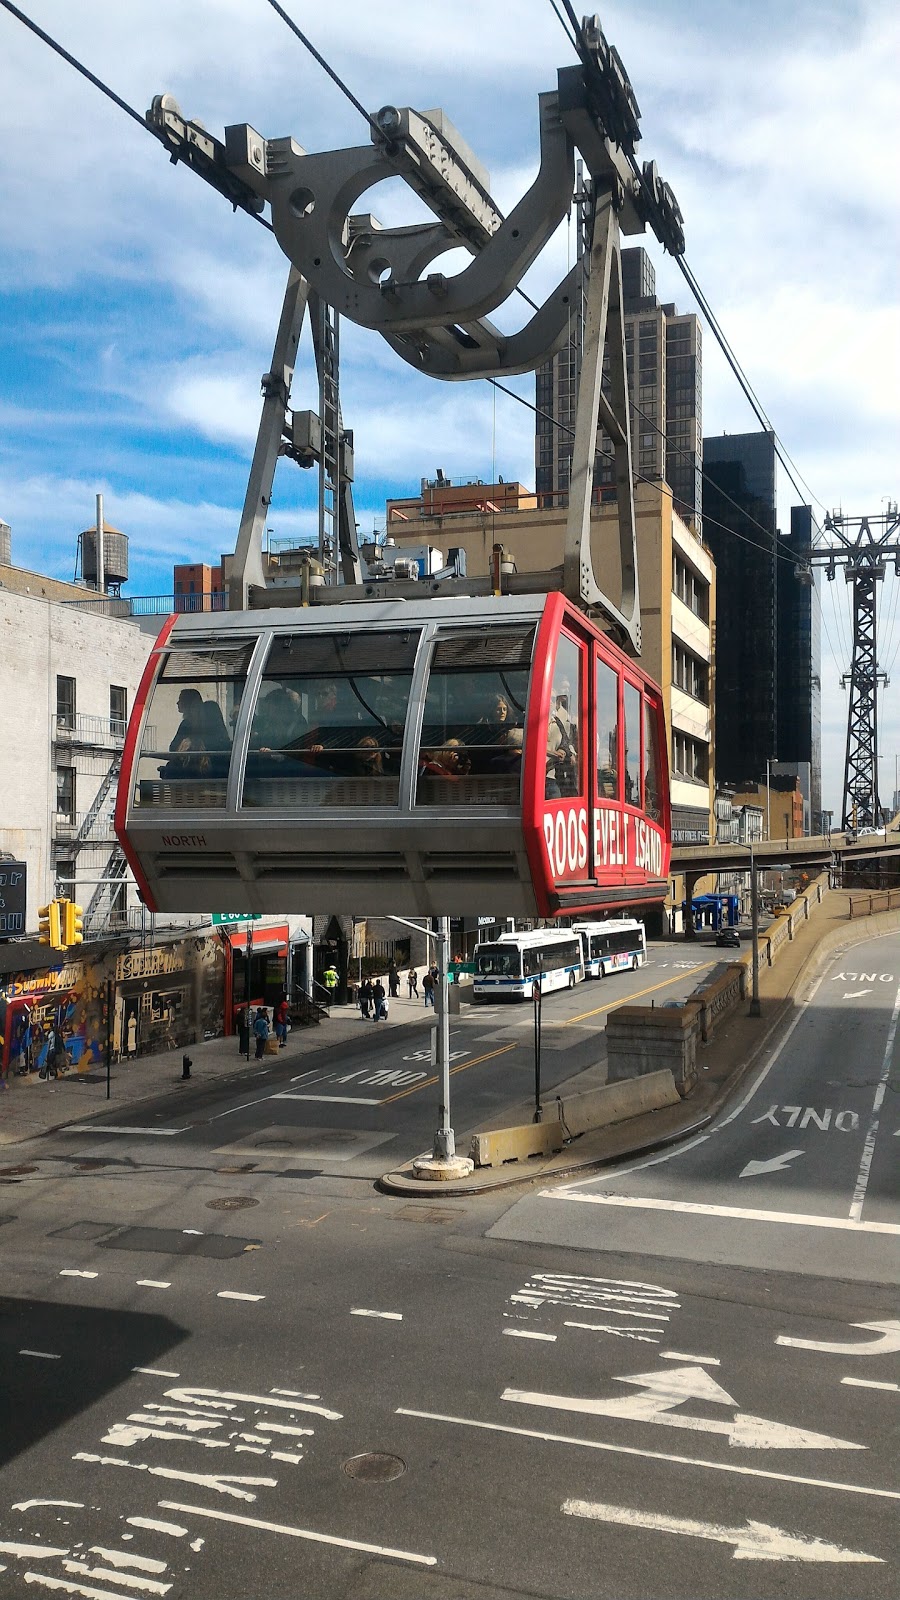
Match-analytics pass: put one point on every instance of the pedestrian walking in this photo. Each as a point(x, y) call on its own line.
point(428, 989)
point(281, 1021)
point(379, 995)
point(243, 1027)
point(393, 980)
point(261, 1030)
point(366, 997)
point(331, 980)
point(412, 983)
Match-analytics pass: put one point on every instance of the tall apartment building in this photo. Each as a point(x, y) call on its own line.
point(664, 360)
point(768, 645)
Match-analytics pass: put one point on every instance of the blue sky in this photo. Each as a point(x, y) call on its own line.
point(137, 313)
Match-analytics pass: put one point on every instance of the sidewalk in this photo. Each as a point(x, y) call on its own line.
point(32, 1106)
point(730, 1056)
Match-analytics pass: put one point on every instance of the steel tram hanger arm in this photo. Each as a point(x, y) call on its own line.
point(439, 324)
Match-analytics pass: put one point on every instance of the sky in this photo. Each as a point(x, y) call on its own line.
point(137, 312)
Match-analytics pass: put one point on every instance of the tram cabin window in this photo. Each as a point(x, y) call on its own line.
point(564, 776)
point(470, 752)
point(186, 741)
point(607, 732)
point(328, 723)
point(651, 764)
point(632, 705)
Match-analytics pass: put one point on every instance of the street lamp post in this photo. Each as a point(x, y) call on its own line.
point(443, 1164)
point(754, 923)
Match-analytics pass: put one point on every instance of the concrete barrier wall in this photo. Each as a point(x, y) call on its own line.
point(616, 1102)
point(641, 1040)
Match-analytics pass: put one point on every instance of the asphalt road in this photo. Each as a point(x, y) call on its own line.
point(214, 1359)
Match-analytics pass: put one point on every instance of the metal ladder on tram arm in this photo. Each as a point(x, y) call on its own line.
point(440, 324)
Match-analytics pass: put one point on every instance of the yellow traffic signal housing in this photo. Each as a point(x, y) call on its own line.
point(73, 926)
point(50, 925)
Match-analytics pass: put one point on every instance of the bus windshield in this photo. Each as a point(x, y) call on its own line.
point(495, 961)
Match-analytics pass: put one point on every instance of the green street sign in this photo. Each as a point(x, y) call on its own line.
point(220, 918)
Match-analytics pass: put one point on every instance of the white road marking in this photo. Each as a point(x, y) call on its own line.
point(887, 1342)
point(41, 1355)
point(128, 1579)
point(197, 1232)
point(157, 1133)
point(741, 1213)
point(123, 1558)
point(653, 1455)
point(124, 1435)
point(284, 1455)
point(756, 1541)
point(27, 1505)
point(224, 1397)
point(871, 1383)
point(620, 1333)
point(664, 1390)
point(528, 1333)
point(301, 1533)
point(222, 1483)
point(152, 1526)
point(865, 1165)
point(854, 994)
point(675, 1355)
point(389, 1316)
point(8, 1547)
point(235, 1294)
point(152, 1283)
point(75, 1272)
point(156, 1372)
point(329, 1099)
point(45, 1581)
point(787, 1035)
point(755, 1169)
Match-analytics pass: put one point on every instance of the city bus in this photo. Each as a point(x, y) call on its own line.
point(512, 964)
point(616, 945)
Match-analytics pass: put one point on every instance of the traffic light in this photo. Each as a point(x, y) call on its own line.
point(73, 925)
point(50, 929)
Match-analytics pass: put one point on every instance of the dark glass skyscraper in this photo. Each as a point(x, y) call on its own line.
point(767, 647)
point(739, 528)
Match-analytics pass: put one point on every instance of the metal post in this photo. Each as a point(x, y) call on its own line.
point(536, 997)
point(444, 1142)
point(109, 1005)
point(249, 961)
point(754, 922)
point(99, 553)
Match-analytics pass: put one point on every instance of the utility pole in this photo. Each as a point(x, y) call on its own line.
point(860, 545)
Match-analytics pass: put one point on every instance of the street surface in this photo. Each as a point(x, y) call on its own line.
point(232, 1368)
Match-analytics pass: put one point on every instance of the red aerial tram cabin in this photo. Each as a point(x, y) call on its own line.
point(495, 755)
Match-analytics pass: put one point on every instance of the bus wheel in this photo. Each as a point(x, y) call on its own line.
point(571, 980)
point(634, 963)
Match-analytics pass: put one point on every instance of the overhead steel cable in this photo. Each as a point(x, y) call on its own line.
point(326, 67)
point(104, 88)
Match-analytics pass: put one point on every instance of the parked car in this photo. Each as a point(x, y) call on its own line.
point(728, 939)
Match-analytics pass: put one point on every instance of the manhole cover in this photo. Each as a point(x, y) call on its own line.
point(230, 1172)
point(231, 1202)
point(373, 1467)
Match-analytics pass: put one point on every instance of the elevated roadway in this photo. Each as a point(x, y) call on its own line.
point(816, 851)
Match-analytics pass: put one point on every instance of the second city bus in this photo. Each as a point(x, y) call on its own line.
point(617, 945)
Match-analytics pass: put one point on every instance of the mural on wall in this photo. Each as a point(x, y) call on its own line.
point(164, 998)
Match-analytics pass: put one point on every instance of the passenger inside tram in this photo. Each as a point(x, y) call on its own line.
point(201, 745)
point(477, 693)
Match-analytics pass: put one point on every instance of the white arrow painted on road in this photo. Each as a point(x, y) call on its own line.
point(664, 1390)
point(854, 994)
point(753, 1169)
point(887, 1342)
point(756, 1541)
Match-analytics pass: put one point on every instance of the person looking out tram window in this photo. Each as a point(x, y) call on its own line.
point(200, 741)
point(449, 762)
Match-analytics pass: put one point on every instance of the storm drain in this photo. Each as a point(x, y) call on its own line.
point(174, 1242)
point(231, 1202)
point(374, 1467)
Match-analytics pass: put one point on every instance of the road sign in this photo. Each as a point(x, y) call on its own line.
point(222, 919)
point(13, 883)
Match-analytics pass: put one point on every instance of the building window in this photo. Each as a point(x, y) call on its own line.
point(65, 793)
point(65, 702)
point(65, 879)
point(690, 673)
point(118, 709)
point(690, 757)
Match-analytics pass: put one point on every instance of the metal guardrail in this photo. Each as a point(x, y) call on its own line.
point(148, 605)
point(865, 905)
